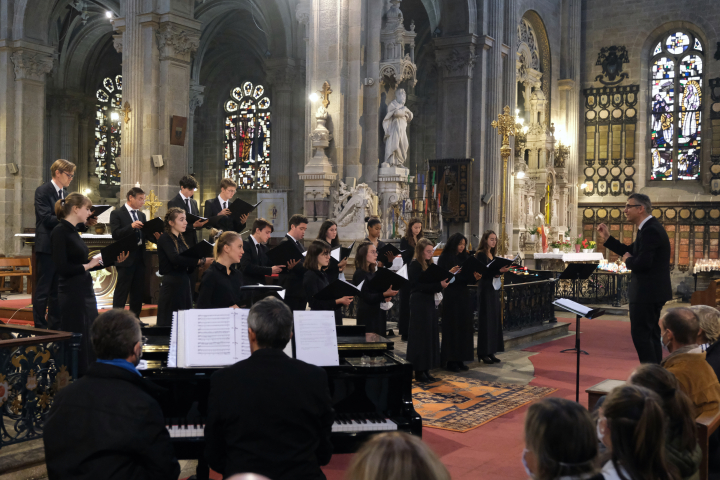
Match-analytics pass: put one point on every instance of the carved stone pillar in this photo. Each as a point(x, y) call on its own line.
point(281, 77)
point(318, 175)
point(197, 97)
point(22, 108)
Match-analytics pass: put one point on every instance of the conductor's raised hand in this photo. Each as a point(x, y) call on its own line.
point(122, 257)
point(291, 264)
point(344, 301)
point(603, 232)
point(390, 292)
point(444, 283)
point(277, 269)
point(137, 224)
point(199, 223)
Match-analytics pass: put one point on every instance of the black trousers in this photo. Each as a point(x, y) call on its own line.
point(78, 310)
point(45, 297)
point(130, 282)
point(645, 331)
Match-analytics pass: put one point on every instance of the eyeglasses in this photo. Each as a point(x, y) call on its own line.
point(628, 207)
point(70, 175)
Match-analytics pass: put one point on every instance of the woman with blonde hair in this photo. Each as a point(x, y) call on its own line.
point(76, 297)
point(176, 291)
point(709, 319)
point(396, 456)
point(221, 282)
point(423, 348)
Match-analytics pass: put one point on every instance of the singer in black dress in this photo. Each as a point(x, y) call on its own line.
point(423, 347)
point(368, 309)
point(317, 258)
point(329, 233)
point(176, 292)
point(76, 297)
point(457, 317)
point(490, 335)
point(221, 282)
point(413, 233)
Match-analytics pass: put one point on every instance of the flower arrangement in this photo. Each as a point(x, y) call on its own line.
point(566, 246)
point(556, 244)
point(533, 231)
point(579, 240)
point(592, 245)
point(585, 243)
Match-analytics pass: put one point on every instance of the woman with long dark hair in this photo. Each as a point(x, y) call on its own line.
point(490, 336)
point(317, 258)
point(368, 309)
point(176, 291)
point(329, 233)
point(423, 347)
point(457, 319)
point(413, 233)
point(76, 297)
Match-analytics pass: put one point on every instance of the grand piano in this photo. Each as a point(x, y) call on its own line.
point(370, 389)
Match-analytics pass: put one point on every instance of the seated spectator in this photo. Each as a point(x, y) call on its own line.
point(632, 427)
point(560, 441)
point(396, 456)
point(709, 318)
point(681, 445)
point(106, 424)
point(678, 333)
point(269, 414)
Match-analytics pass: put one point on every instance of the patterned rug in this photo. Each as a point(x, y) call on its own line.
point(460, 404)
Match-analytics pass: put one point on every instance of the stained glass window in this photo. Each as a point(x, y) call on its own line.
point(247, 137)
point(675, 120)
point(108, 130)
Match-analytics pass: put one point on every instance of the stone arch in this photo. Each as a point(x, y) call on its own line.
point(74, 63)
point(545, 61)
point(458, 17)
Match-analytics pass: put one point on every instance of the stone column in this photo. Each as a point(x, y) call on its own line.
point(23, 68)
point(371, 97)
point(197, 97)
point(156, 48)
point(281, 77)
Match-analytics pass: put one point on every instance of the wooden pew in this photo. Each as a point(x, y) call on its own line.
point(14, 267)
point(709, 296)
point(707, 424)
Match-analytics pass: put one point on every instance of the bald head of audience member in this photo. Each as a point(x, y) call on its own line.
point(709, 319)
point(678, 328)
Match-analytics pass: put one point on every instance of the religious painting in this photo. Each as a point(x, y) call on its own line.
point(274, 209)
point(602, 187)
point(615, 187)
point(453, 187)
point(178, 129)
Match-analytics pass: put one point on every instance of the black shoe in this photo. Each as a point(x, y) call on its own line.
point(452, 367)
point(463, 367)
point(494, 358)
point(487, 360)
point(421, 377)
point(431, 378)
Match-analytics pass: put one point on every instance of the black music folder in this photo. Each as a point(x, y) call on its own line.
point(151, 226)
point(110, 253)
point(202, 249)
point(240, 207)
point(345, 251)
point(384, 279)
point(388, 248)
point(98, 210)
point(434, 274)
point(337, 289)
point(191, 219)
point(283, 253)
point(493, 268)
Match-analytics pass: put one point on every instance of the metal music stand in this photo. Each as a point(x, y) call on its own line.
point(576, 272)
point(580, 311)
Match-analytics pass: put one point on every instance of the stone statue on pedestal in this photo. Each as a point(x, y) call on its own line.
point(395, 126)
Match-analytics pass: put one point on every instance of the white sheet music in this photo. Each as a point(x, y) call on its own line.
point(397, 264)
point(403, 272)
point(335, 254)
point(212, 337)
point(172, 352)
point(574, 307)
point(316, 338)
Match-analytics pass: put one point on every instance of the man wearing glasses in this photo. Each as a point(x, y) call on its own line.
point(46, 195)
point(649, 259)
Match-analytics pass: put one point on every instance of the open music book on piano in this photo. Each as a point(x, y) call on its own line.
point(218, 337)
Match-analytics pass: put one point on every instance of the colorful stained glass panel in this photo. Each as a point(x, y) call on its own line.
point(661, 164)
point(688, 164)
point(677, 43)
point(691, 66)
point(108, 130)
point(259, 90)
point(697, 45)
point(658, 48)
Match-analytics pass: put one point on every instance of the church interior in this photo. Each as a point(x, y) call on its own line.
point(535, 119)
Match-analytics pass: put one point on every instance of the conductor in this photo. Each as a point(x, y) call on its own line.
point(649, 259)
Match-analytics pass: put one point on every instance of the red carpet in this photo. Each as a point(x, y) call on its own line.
point(492, 451)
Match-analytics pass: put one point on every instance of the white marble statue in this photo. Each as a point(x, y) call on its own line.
point(395, 126)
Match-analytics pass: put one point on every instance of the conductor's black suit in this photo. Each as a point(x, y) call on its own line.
point(131, 272)
point(650, 286)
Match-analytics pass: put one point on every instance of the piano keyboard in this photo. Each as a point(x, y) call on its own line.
point(180, 429)
point(372, 422)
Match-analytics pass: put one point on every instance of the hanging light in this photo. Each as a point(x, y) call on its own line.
point(583, 186)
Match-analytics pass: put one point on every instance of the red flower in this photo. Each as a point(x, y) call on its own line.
point(585, 243)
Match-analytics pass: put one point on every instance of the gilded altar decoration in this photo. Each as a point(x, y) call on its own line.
point(505, 125)
point(126, 111)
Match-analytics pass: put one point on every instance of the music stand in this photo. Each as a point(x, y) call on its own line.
point(576, 272)
point(579, 311)
point(258, 292)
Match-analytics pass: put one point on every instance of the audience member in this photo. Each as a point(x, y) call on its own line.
point(560, 441)
point(678, 333)
point(709, 322)
point(107, 424)
point(269, 414)
point(396, 456)
point(681, 446)
point(632, 427)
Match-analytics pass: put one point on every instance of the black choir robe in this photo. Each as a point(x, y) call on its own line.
point(218, 289)
point(423, 348)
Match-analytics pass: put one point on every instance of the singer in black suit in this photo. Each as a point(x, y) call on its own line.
point(292, 277)
point(252, 425)
point(184, 200)
point(217, 209)
point(45, 295)
point(649, 259)
point(255, 263)
point(124, 221)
